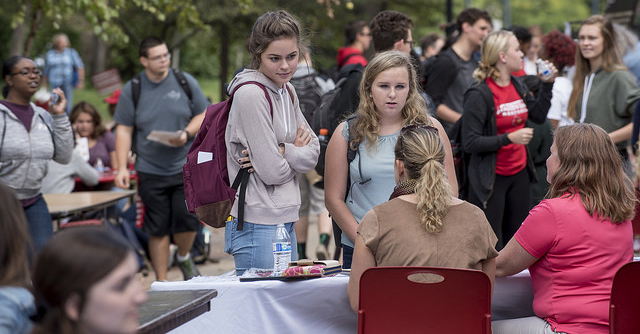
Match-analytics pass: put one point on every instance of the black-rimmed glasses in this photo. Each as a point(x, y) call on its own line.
point(160, 57)
point(26, 71)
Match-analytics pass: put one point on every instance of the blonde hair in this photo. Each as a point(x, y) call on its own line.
point(492, 45)
point(422, 152)
point(611, 60)
point(366, 123)
point(591, 167)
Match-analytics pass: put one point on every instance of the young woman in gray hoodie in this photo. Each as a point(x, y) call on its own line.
point(29, 138)
point(276, 137)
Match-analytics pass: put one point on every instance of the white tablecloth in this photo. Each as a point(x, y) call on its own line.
point(512, 297)
point(311, 306)
point(316, 305)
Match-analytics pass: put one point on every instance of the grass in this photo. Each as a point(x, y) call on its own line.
point(210, 88)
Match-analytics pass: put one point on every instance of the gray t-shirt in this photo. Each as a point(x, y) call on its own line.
point(454, 97)
point(449, 80)
point(161, 106)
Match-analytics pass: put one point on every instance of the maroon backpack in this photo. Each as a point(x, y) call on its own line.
point(206, 180)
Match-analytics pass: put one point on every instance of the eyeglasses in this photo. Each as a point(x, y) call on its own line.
point(415, 126)
point(26, 71)
point(411, 43)
point(160, 57)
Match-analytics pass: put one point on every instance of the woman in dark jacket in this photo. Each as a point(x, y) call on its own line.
point(495, 137)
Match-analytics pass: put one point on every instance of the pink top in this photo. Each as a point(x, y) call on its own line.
point(579, 255)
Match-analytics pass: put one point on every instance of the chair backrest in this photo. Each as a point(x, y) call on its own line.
point(624, 309)
point(424, 300)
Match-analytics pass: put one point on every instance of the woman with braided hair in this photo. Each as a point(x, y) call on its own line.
point(495, 137)
point(422, 224)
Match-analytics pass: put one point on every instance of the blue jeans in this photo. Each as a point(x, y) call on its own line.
point(67, 88)
point(251, 247)
point(347, 256)
point(40, 224)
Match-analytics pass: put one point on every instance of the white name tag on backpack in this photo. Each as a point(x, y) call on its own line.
point(204, 157)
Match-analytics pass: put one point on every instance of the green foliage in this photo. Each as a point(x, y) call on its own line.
point(205, 29)
point(548, 14)
point(210, 88)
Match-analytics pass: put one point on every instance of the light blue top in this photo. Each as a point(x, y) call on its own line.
point(377, 167)
point(16, 305)
point(59, 66)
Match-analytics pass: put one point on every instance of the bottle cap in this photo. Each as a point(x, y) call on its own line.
point(323, 132)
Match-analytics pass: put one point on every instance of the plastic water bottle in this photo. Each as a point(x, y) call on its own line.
point(99, 165)
point(323, 140)
point(543, 69)
point(281, 250)
point(323, 136)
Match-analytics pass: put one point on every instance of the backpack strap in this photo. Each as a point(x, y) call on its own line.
point(135, 96)
point(4, 131)
point(344, 60)
point(242, 178)
point(135, 93)
point(351, 153)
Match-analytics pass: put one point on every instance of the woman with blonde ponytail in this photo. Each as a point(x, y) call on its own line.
point(422, 224)
point(494, 136)
point(389, 100)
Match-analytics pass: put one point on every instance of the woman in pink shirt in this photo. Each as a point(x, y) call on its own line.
point(575, 240)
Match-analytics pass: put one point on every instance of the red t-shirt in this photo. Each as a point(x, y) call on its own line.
point(578, 257)
point(511, 113)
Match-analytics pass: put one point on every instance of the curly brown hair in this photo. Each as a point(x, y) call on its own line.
point(560, 49)
point(388, 27)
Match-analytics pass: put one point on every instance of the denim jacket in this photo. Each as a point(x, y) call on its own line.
point(16, 306)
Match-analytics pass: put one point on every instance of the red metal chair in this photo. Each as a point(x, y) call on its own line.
point(452, 301)
point(624, 309)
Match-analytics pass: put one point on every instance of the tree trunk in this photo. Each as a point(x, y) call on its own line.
point(16, 46)
point(224, 58)
point(35, 21)
point(100, 55)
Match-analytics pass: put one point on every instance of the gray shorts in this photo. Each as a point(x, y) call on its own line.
point(311, 198)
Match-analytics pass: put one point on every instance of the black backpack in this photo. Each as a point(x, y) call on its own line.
point(335, 107)
point(334, 72)
point(309, 94)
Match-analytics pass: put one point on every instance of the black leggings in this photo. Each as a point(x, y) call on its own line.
point(508, 205)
